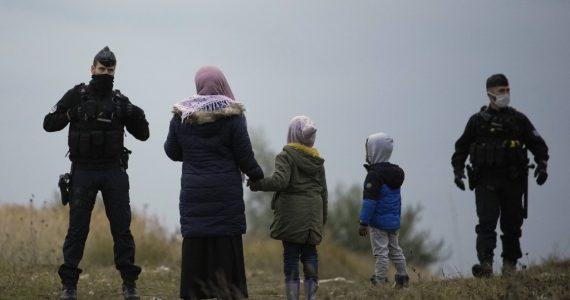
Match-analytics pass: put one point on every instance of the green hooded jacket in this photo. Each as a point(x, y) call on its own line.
point(300, 200)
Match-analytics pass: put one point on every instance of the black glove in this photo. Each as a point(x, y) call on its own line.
point(75, 113)
point(540, 173)
point(131, 111)
point(459, 176)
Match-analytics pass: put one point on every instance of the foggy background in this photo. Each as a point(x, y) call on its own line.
point(413, 69)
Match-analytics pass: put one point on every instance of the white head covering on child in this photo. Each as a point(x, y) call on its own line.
point(379, 148)
point(302, 130)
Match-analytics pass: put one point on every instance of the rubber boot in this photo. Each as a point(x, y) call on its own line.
point(292, 290)
point(311, 287)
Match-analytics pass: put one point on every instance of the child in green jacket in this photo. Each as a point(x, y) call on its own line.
point(299, 205)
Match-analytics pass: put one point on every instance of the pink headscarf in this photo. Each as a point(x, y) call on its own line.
point(302, 130)
point(211, 81)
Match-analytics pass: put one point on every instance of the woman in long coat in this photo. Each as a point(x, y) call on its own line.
point(208, 134)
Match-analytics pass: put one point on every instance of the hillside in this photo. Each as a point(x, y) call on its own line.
point(31, 239)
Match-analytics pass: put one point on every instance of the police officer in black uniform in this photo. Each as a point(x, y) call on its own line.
point(97, 115)
point(496, 140)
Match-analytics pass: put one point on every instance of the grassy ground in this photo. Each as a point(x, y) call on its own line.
point(30, 252)
point(549, 281)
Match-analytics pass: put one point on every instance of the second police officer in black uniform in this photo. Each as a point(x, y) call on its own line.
point(97, 115)
point(496, 140)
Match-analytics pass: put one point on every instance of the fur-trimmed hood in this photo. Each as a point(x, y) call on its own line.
point(203, 109)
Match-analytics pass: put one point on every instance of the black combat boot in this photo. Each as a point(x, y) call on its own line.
point(68, 293)
point(130, 291)
point(402, 281)
point(509, 267)
point(483, 270)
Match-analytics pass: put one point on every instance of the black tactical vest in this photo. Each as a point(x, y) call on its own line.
point(499, 140)
point(99, 135)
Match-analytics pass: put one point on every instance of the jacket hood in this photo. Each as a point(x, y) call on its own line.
point(305, 158)
point(202, 109)
point(391, 174)
point(378, 148)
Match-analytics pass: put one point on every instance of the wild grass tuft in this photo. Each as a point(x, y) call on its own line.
point(31, 237)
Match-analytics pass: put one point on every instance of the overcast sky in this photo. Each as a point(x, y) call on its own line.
point(413, 69)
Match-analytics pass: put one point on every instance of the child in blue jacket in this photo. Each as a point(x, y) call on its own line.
point(381, 209)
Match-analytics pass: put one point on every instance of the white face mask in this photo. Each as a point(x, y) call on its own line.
point(502, 101)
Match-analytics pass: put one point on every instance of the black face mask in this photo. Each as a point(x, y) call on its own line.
point(101, 84)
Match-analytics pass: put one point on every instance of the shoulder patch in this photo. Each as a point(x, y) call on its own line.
point(535, 132)
point(53, 109)
point(368, 185)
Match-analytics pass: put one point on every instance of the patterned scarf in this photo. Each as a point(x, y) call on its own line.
point(202, 103)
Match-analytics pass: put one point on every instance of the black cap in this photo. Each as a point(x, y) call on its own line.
point(106, 57)
point(497, 80)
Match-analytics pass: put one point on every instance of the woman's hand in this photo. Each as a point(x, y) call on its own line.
point(252, 186)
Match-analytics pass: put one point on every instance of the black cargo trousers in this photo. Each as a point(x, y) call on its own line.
point(499, 197)
point(113, 182)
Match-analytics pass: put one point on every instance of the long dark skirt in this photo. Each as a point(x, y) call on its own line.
point(213, 267)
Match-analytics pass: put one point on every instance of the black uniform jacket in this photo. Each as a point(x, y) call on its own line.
point(522, 130)
point(58, 119)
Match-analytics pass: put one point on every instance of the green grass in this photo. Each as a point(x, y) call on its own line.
point(548, 281)
point(30, 253)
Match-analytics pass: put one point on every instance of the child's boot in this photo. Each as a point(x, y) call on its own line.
point(292, 290)
point(377, 280)
point(401, 278)
point(402, 281)
point(311, 287)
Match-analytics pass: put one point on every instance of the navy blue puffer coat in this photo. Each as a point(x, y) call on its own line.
point(213, 147)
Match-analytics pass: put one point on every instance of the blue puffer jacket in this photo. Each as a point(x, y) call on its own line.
point(213, 147)
point(382, 202)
